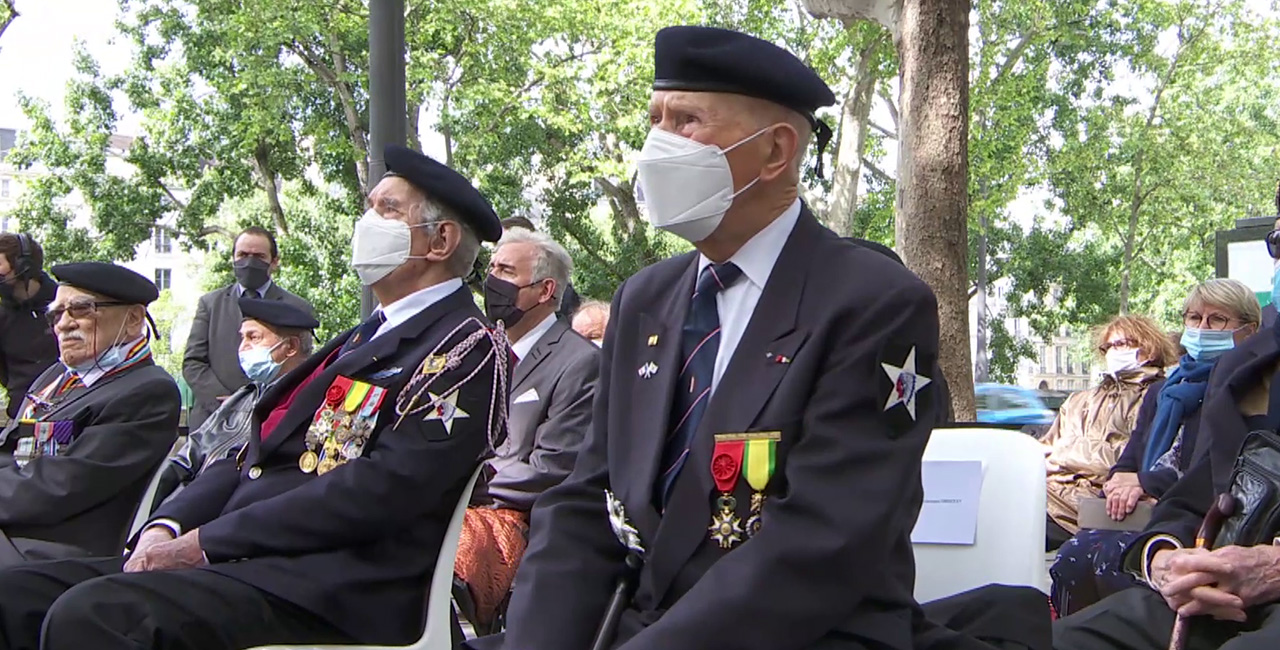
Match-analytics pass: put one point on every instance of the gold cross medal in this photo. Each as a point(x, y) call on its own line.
point(759, 460)
point(726, 459)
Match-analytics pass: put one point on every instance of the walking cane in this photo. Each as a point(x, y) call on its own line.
point(618, 603)
point(1222, 508)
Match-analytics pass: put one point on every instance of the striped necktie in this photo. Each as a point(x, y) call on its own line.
point(700, 343)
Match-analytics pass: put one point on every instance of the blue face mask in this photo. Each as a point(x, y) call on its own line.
point(1275, 288)
point(1206, 345)
point(258, 365)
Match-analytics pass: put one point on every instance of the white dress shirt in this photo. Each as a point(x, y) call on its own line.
point(407, 307)
point(524, 346)
point(736, 304)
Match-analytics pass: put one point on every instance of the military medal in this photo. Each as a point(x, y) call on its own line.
point(759, 458)
point(726, 460)
point(308, 461)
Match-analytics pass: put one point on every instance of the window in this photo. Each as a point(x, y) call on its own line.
point(164, 277)
point(162, 240)
point(1071, 365)
point(1044, 353)
point(4, 188)
point(1057, 359)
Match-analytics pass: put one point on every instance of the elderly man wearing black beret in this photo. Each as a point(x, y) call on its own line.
point(275, 338)
point(94, 426)
point(326, 527)
point(753, 469)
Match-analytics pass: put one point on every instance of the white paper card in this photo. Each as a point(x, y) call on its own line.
point(950, 511)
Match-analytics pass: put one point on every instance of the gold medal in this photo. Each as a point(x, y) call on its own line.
point(326, 464)
point(753, 522)
point(726, 527)
point(308, 461)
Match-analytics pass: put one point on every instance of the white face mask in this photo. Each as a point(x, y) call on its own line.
point(686, 186)
point(380, 246)
point(1119, 361)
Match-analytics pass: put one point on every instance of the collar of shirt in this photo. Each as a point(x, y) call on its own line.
point(262, 290)
point(407, 307)
point(524, 346)
point(757, 257)
point(98, 372)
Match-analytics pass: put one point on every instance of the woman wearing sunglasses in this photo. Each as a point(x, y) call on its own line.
point(1093, 425)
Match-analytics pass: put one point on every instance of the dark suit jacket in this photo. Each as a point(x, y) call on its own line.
point(355, 546)
point(544, 433)
point(832, 565)
point(220, 436)
point(211, 363)
point(82, 501)
point(1222, 432)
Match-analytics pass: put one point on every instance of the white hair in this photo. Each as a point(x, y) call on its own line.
point(553, 260)
point(464, 256)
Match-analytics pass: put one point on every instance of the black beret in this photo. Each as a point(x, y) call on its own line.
point(277, 313)
point(446, 186)
point(110, 280)
point(707, 59)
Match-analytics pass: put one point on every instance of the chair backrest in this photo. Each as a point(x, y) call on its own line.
point(1009, 543)
point(437, 634)
point(143, 514)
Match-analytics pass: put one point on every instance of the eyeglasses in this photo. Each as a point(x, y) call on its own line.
point(1118, 343)
point(1214, 321)
point(80, 310)
point(1273, 244)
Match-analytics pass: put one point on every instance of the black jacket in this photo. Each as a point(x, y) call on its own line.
point(832, 565)
point(27, 344)
point(81, 500)
point(355, 546)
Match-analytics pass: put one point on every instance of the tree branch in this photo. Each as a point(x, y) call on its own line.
point(876, 171)
point(215, 230)
point(893, 108)
point(886, 132)
point(262, 161)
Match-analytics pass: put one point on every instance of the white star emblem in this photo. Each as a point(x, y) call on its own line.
point(446, 411)
point(906, 384)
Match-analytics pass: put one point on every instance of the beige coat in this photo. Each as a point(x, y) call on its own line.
point(1087, 438)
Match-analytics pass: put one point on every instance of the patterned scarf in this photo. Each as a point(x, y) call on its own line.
point(1181, 396)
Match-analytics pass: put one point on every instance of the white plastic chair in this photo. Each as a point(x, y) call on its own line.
point(148, 503)
point(1009, 543)
point(437, 634)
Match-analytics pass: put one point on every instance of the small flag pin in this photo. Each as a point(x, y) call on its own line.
point(648, 370)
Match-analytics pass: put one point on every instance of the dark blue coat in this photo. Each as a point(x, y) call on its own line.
point(355, 546)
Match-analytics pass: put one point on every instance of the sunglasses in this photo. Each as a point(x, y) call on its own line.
point(1273, 244)
point(79, 310)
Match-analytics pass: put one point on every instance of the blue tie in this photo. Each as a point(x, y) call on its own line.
point(700, 343)
point(365, 332)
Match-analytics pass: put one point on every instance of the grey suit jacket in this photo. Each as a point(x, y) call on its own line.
point(211, 364)
point(551, 396)
point(80, 501)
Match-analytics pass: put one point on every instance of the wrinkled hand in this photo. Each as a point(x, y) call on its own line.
point(1252, 573)
point(1188, 581)
point(149, 537)
point(181, 553)
point(1122, 500)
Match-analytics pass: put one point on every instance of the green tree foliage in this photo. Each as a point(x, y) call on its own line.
point(1147, 124)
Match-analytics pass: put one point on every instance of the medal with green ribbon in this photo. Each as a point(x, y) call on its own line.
point(759, 458)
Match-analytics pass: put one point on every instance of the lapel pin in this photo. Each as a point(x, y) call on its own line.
point(648, 370)
point(653, 340)
point(777, 358)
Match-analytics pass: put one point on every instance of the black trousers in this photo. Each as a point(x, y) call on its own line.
point(83, 604)
point(1139, 619)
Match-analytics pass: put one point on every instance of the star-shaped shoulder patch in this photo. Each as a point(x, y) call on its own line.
point(906, 383)
point(446, 411)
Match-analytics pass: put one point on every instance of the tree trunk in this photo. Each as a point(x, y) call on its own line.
point(933, 160)
point(854, 114)
point(262, 161)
